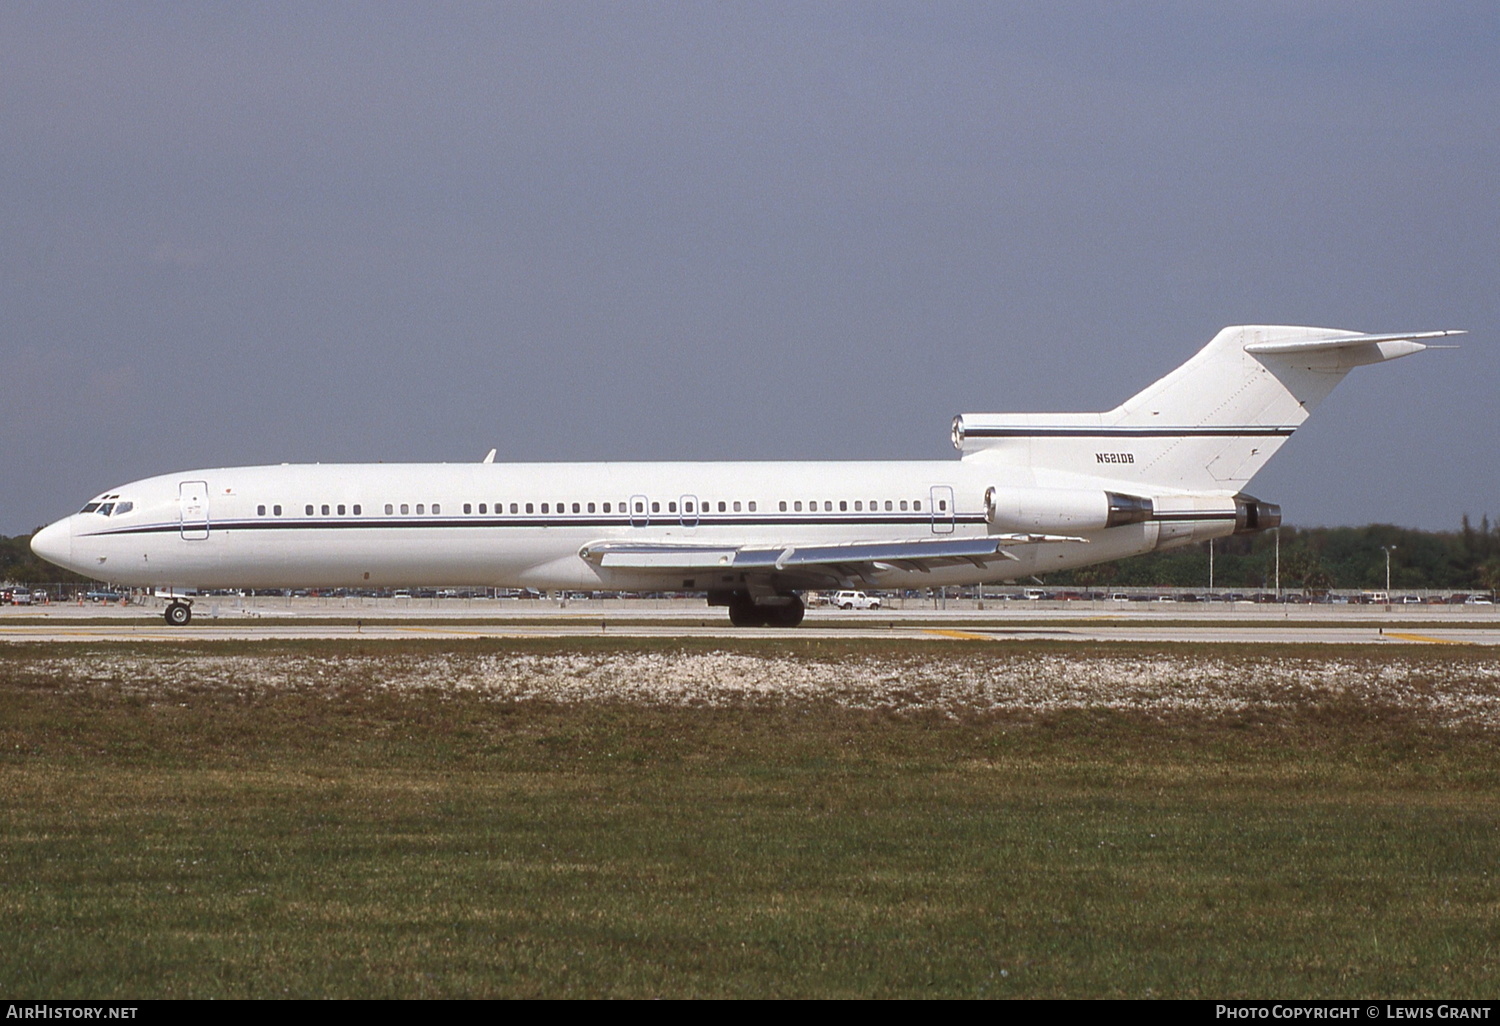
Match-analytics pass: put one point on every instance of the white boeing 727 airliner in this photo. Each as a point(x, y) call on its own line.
point(1031, 493)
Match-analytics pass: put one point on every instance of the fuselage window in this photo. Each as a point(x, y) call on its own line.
point(405, 509)
point(797, 505)
point(260, 511)
point(591, 507)
point(736, 505)
point(276, 510)
point(917, 505)
point(309, 511)
point(606, 507)
point(722, 506)
point(903, 504)
point(687, 507)
point(436, 509)
point(341, 509)
point(783, 505)
point(859, 505)
point(389, 509)
point(888, 505)
point(640, 507)
point(356, 509)
point(324, 507)
point(828, 505)
point(656, 507)
point(843, 506)
point(752, 506)
point(544, 507)
point(575, 507)
point(468, 508)
point(483, 508)
point(532, 509)
point(671, 507)
point(421, 508)
point(516, 508)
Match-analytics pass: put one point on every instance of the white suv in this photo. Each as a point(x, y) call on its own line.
point(855, 600)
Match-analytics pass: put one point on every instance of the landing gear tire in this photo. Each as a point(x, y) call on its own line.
point(789, 615)
point(178, 614)
point(744, 612)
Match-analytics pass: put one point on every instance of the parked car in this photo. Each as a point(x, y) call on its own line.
point(855, 600)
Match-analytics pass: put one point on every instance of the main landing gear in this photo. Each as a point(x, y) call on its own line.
point(178, 613)
point(786, 611)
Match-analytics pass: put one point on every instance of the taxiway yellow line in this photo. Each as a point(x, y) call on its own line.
point(961, 635)
point(1423, 637)
point(453, 631)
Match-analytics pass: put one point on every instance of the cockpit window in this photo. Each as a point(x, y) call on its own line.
point(123, 507)
point(89, 508)
point(106, 509)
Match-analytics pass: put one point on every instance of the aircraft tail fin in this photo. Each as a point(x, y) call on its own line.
point(1209, 425)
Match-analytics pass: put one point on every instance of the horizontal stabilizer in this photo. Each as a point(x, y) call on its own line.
point(1317, 345)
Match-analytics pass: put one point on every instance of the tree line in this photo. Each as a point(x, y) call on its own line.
point(1318, 559)
point(19, 565)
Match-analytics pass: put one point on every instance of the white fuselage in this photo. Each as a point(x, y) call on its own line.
point(1032, 493)
point(525, 525)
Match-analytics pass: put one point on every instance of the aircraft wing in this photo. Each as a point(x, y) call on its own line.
point(812, 562)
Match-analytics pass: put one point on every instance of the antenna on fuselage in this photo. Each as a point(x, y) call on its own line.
point(489, 458)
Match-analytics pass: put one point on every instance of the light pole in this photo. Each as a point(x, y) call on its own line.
point(1278, 564)
point(1388, 550)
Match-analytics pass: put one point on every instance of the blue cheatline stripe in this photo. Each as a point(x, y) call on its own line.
point(397, 523)
point(1197, 515)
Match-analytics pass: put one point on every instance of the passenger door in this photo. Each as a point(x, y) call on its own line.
point(941, 499)
point(192, 507)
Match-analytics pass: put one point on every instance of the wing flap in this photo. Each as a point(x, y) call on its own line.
point(846, 557)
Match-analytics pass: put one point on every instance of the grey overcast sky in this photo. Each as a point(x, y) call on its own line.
point(268, 232)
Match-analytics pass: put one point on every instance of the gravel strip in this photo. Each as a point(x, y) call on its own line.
point(1452, 692)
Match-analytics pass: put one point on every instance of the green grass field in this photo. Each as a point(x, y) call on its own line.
point(337, 838)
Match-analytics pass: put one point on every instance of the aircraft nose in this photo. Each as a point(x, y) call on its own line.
point(54, 543)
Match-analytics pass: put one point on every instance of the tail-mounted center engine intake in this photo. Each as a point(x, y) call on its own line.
point(1062, 509)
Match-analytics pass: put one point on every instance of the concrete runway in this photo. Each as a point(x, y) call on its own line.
point(278, 619)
